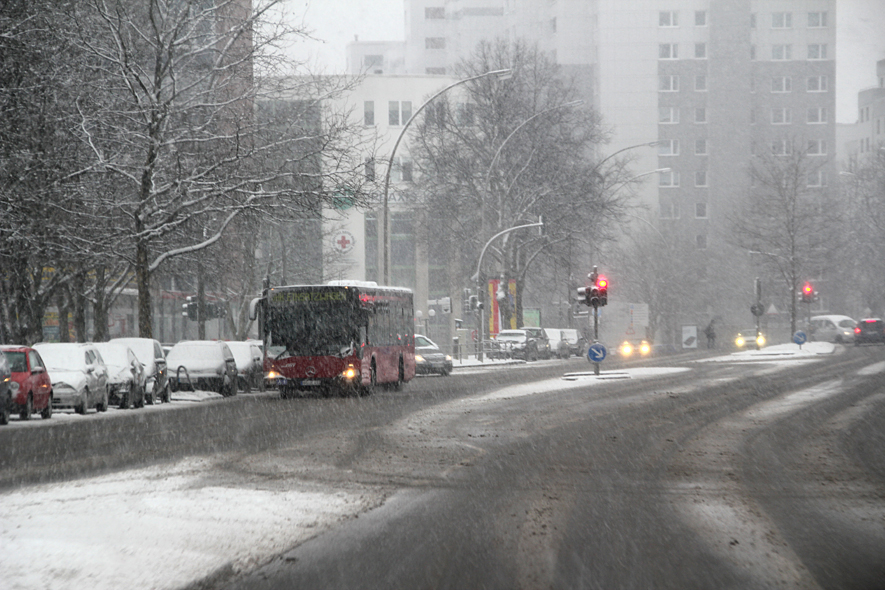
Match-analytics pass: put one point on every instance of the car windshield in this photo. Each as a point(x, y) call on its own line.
point(17, 361)
point(424, 341)
point(242, 352)
point(63, 358)
point(143, 349)
point(114, 354)
point(206, 352)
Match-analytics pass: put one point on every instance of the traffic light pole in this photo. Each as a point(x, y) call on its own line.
point(595, 334)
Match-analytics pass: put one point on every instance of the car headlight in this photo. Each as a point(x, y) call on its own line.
point(626, 349)
point(14, 387)
point(448, 357)
point(760, 340)
point(419, 358)
point(644, 347)
point(739, 341)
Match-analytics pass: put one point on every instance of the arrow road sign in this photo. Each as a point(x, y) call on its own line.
point(596, 353)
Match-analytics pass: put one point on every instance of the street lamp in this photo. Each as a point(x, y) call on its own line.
point(385, 204)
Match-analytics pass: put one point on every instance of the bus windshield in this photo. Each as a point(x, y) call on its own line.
point(313, 331)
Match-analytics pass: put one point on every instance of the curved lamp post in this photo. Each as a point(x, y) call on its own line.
point(385, 204)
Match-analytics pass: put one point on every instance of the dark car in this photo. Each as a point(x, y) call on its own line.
point(29, 385)
point(869, 331)
point(545, 350)
point(515, 344)
point(429, 359)
point(150, 353)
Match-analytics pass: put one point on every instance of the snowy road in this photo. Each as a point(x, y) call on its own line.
point(171, 525)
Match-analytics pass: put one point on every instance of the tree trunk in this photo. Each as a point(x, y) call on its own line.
point(143, 283)
point(100, 307)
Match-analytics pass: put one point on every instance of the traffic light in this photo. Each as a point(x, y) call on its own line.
point(189, 309)
point(602, 286)
point(807, 292)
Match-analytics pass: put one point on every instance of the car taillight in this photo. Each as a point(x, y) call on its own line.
point(857, 330)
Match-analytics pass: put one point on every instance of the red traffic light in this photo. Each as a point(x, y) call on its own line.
point(807, 289)
point(602, 283)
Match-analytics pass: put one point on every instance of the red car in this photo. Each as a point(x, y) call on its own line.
point(30, 385)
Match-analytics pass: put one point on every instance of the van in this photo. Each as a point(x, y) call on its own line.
point(574, 342)
point(832, 328)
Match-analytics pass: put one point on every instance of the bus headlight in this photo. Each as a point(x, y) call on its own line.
point(349, 373)
point(272, 375)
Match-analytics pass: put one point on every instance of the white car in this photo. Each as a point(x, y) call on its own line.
point(79, 375)
point(250, 364)
point(126, 376)
point(203, 364)
point(151, 355)
point(832, 328)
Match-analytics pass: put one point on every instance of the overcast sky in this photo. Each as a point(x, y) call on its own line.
point(860, 25)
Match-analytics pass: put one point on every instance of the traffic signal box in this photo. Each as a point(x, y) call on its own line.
point(808, 293)
point(596, 295)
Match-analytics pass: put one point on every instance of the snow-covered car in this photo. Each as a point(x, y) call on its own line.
point(150, 353)
point(29, 384)
point(250, 364)
point(202, 364)
point(561, 341)
point(126, 376)
point(429, 359)
point(79, 375)
point(832, 328)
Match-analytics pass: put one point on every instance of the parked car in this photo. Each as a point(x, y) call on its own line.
point(150, 353)
point(429, 358)
point(515, 344)
point(832, 328)
point(29, 384)
point(5, 390)
point(79, 375)
point(869, 331)
point(202, 364)
point(574, 342)
point(545, 349)
point(126, 376)
point(250, 365)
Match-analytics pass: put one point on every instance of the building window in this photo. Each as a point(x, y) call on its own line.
point(402, 170)
point(668, 51)
point(700, 179)
point(781, 84)
point(435, 71)
point(668, 147)
point(668, 18)
point(700, 18)
point(781, 116)
point(781, 52)
point(700, 115)
point(817, 147)
point(700, 51)
point(668, 115)
point(668, 83)
point(669, 178)
point(817, 20)
point(752, 20)
point(817, 115)
point(700, 147)
point(700, 210)
point(370, 169)
point(781, 147)
point(465, 113)
point(817, 51)
point(669, 210)
point(399, 113)
point(374, 63)
point(369, 113)
point(700, 83)
point(817, 178)
point(702, 242)
point(434, 12)
point(781, 20)
point(817, 84)
point(434, 43)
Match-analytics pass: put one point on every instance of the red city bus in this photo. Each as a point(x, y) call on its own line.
point(342, 337)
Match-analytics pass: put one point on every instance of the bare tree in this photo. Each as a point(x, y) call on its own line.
point(788, 219)
point(174, 125)
point(507, 152)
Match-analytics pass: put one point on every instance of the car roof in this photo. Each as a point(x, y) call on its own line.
point(833, 317)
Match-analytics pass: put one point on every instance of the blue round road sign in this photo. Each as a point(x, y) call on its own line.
point(596, 353)
point(800, 338)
